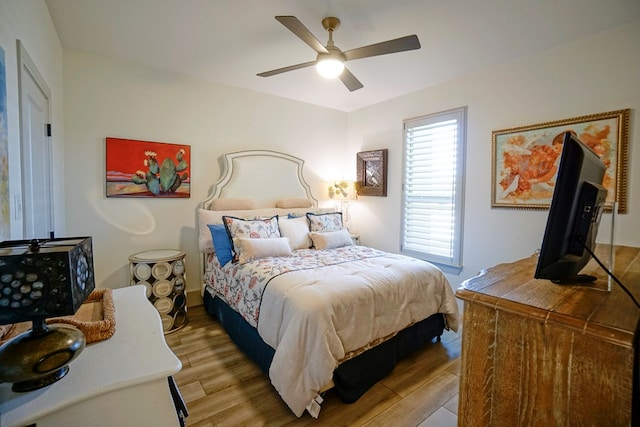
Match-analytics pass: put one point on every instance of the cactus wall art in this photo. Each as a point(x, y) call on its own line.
point(147, 169)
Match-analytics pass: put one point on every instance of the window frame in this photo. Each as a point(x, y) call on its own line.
point(454, 262)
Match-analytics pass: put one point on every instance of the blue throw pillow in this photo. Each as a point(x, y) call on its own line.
point(221, 243)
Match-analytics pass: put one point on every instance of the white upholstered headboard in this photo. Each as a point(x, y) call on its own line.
point(263, 178)
point(260, 175)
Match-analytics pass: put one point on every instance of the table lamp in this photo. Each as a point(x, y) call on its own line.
point(42, 278)
point(344, 192)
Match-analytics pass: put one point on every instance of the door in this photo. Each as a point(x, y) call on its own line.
point(37, 199)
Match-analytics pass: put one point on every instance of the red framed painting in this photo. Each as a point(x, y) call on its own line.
point(147, 169)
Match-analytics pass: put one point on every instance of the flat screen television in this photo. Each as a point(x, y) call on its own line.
point(574, 214)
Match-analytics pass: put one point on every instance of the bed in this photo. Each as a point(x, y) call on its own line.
point(308, 306)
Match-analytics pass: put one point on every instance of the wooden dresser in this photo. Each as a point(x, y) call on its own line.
point(539, 354)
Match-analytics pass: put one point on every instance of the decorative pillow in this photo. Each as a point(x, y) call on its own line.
point(325, 222)
point(252, 249)
point(206, 217)
point(331, 239)
point(221, 243)
point(296, 229)
point(250, 228)
point(232, 204)
point(294, 202)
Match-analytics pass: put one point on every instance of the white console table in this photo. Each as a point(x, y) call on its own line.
point(121, 381)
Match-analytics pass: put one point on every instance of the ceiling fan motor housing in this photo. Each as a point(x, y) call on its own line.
point(330, 23)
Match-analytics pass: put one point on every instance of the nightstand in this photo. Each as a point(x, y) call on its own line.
point(122, 381)
point(355, 238)
point(162, 272)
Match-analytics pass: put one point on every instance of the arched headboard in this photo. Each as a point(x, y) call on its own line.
point(263, 176)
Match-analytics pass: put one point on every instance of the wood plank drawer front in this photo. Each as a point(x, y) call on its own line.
point(533, 355)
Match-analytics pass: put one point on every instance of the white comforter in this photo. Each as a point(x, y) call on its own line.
point(314, 318)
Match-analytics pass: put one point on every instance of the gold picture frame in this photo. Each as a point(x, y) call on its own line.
point(524, 159)
point(371, 168)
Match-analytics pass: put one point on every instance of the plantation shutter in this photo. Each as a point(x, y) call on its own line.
point(433, 187)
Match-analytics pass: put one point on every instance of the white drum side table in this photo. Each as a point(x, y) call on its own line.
point(162, 273)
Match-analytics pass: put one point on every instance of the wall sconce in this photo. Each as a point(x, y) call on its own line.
point(40, 279)
point(344, 192)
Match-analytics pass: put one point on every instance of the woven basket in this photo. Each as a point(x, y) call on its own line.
point(95, 318)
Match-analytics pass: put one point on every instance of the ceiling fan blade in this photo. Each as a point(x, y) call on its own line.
point(285, 69)
point(390, 46)
point(296, 27)
point(350, 81)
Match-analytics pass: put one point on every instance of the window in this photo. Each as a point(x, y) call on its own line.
point(432, 199)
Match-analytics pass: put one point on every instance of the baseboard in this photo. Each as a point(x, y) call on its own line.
point(194, 298)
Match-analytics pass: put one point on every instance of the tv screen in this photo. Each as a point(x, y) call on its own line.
point(574, 214)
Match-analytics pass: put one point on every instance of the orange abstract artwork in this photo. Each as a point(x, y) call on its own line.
point(526, 159)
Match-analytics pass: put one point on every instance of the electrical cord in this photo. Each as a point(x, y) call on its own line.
point(611, 274)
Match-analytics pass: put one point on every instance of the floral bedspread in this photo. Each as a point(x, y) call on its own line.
point(241, 286)
point(329, 304)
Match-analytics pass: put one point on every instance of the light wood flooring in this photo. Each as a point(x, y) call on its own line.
point(222, 387)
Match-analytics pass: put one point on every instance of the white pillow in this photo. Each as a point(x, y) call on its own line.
point(294, 202)
point(297, 230)
point(252, 249)
point(232, 204)
point(331, 239)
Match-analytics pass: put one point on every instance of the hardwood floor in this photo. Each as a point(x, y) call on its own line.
point(222, 387)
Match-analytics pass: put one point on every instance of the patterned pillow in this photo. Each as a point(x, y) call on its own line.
point(325, 222)
point(250, 228)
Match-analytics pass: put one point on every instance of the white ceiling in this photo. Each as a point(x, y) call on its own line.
point(229, 41)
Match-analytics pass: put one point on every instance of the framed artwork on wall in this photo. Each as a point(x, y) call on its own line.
point(525, 159)
point(5, 215)
point(371, 168)
point(147, 169)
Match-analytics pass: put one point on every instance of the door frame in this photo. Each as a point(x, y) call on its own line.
point(27, 66)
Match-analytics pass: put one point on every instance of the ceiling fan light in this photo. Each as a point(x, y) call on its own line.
point(329, 68)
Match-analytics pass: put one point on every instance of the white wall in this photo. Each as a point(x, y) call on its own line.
point(103, 97)
point(108, 98)
point(593, 75)
point(29, 21)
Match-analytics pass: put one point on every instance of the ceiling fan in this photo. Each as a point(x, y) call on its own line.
point(330, 59)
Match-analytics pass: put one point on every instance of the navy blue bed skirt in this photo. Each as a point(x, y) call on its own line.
point(353, 377)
